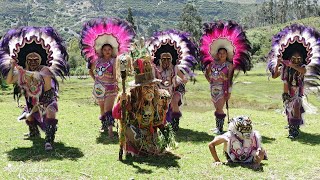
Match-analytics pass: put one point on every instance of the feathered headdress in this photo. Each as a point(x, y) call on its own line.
point(297, 38)
point(45, 41)
point(228, 35)
point(97, 32)
point(178, 44)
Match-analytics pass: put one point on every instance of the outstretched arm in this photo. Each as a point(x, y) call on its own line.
point(258, 157)
point(12, 77)
point(207, 73)
point(182, 76)
point(212, 146)
point(91, 71)
point(300, 69)
point(276, 70)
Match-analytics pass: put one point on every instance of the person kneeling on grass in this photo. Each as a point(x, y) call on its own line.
point(241, 143)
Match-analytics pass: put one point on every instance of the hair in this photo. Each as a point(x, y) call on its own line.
point(222, 49)
point(105, 45)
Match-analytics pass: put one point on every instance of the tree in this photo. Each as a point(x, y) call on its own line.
point(316, 8)
point(152, 28)
point(191, 21)
point(3, 83)
point(98, 5)
point(271, 16)
point(130, 18)
point(75, 59)
point(284, 9)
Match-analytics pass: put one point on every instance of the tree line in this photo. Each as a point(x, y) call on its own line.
point(281, 11)
point(269, 12)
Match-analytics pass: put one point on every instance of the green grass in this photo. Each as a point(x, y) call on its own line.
point(81, 152)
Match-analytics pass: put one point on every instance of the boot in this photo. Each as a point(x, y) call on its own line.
point(175, 121)
point(285, 97)
point(51, 128)
point(108, 123)
point(104, 124)
point(294, 126)
point(219, 123)
point(293, 131)
point(33, 130)
point(109, 118)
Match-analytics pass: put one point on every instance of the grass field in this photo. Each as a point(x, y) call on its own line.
point(81, 152)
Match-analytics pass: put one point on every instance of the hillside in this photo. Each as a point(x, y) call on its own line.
point(68, 15)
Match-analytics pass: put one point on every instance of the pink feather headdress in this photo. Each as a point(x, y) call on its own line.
point(97, 32)
point(228, 35)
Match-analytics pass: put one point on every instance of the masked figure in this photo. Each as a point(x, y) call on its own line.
point(143, 129)
point(174, 56)
point(32, 57)
point(295, 56)
point(241, 143)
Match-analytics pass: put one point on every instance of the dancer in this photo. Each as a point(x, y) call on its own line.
point(142, 110)
point(174, 56)
point(224, 48)
point(33, 57)
point(102, 40)
point(241, 143)
point(295, 56)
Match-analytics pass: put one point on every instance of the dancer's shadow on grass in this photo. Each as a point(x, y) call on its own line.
point(309, 139)
point(38, 153)
point(266, 139)
point(193, 136)
point(165, 160)
point(246, 165)
point(105, 139)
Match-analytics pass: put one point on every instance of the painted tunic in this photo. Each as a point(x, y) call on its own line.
point(139, 130)
point(104, 85)
point(33, 85)
point(242, 150)
point(219, 82)
point(295, 82)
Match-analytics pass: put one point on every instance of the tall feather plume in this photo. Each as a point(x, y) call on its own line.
point(183, 50)
point(234, 34)
point(119, 29)
point(20, 41)
point(309, 38)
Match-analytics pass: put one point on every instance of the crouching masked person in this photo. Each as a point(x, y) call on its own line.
point(32, 57)
point(295, 58)
point(141, 112)
point(241, 143)
point(174, 56)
